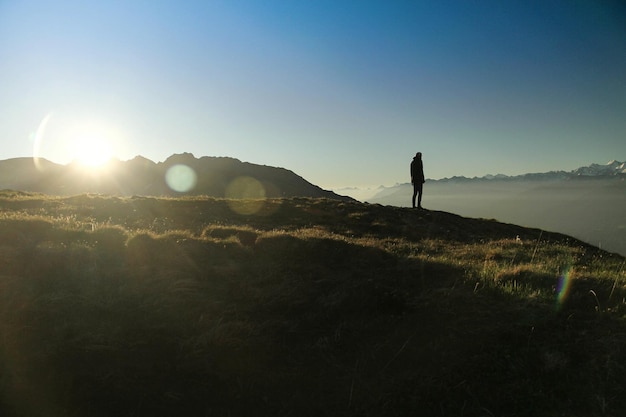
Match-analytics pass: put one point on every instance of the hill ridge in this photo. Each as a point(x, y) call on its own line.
point(179, 174)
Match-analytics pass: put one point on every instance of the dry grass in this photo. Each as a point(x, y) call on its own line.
point(146, 306)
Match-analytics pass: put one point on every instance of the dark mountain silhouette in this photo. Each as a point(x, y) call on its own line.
point(211, 176)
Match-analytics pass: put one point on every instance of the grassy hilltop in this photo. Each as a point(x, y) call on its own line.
point(299, 307)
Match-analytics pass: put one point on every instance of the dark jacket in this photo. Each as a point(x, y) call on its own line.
point(417, 171)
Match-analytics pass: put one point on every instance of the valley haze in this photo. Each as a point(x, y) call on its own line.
point(588, 203)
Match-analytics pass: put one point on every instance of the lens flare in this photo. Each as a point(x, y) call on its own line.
point(181, 178)
point(246, 194)
point(41, 130)
point(563, 286)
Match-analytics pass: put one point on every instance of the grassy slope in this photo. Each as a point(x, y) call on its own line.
point(150, 307)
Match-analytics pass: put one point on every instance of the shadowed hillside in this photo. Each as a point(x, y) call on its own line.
point(274, 307)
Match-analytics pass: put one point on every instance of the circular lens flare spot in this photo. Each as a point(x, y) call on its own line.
point(246, 194)
point(181, 178)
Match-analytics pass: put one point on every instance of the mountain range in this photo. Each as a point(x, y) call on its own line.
point(180, 174)
point(611, 169)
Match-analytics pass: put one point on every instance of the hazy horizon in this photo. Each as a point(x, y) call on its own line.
point(591, 210)
point(358, 192)
point(342, 93)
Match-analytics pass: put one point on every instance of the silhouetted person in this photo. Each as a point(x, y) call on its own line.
point(417, 178)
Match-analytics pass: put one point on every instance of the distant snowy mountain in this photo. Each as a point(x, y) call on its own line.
point(611, 169)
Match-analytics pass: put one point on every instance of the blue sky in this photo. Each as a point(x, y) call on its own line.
point(341, 92)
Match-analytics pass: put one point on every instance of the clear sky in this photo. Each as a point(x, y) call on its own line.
point(341, 92)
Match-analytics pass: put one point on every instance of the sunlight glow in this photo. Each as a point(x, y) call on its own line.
point(71, 138)
point(91, 149)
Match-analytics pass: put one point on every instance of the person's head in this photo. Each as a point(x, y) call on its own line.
point(418, 155)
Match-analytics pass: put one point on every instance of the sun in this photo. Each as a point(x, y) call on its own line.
point(87, 142)
point(91, 149)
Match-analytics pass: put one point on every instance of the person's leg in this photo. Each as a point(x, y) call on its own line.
point(419, 197)
point(415, 188)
